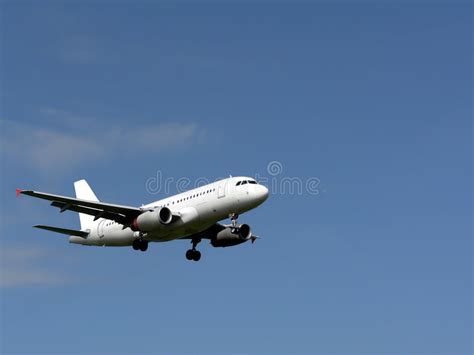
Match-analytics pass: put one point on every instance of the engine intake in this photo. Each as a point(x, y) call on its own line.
point(165, 215)
point(245, 232)
point(231, 236)
point(152, 220)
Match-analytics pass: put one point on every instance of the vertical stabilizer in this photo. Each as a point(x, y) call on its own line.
point(84, 192)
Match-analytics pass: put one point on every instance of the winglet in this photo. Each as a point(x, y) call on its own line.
point(18, 192)
point(253, 238)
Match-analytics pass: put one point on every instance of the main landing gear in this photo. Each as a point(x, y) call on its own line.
point(140, 244)
point(193, 254)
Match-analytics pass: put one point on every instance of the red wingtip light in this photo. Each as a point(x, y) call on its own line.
point(18, 192)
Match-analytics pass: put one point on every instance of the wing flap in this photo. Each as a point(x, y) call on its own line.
point(64, 231)
point(119, 218)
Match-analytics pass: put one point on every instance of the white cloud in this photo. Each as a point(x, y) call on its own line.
point(49, 149)
point(21, 266)
point(66, 141)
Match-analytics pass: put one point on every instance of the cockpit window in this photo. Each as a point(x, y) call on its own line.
point(243, 182)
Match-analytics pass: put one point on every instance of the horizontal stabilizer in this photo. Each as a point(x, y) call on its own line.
point(64, 231)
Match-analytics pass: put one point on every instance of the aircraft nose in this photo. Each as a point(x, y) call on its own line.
point(262, 192)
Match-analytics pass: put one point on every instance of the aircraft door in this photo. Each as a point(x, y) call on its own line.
point(221, 189)
point(100, 228)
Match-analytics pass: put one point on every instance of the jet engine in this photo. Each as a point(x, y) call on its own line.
point(230, 236)
point(152, 220)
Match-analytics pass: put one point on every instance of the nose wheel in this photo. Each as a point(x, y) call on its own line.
point(193, 254)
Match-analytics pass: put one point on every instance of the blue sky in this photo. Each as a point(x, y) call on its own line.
point(372, 100)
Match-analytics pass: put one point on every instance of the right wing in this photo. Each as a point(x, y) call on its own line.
point(208, 233)
point(121, 214)
point(213, 230)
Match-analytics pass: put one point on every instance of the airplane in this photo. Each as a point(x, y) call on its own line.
point(191, 215)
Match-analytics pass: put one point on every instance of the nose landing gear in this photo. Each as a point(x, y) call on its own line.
point(233, 219)
point(193, 254)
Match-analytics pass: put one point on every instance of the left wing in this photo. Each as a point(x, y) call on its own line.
point(121, 214)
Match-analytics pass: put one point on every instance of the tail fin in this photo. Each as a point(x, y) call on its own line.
point(84, 192)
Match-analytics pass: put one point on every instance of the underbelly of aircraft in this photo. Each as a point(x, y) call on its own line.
point(203, 217)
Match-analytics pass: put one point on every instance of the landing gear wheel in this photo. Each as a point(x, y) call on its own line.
point(143, 245)
point(193, 254)
point(136, 244)
point(197, 255)
point(190, 254)
point(140, 244)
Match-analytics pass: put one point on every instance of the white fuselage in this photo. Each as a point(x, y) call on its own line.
point(198, 209)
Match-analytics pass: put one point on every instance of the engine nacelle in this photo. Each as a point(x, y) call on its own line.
point(232, 236)
point(152, 220)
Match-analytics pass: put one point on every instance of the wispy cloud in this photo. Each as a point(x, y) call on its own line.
point(22, 266)
point(68, 141)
